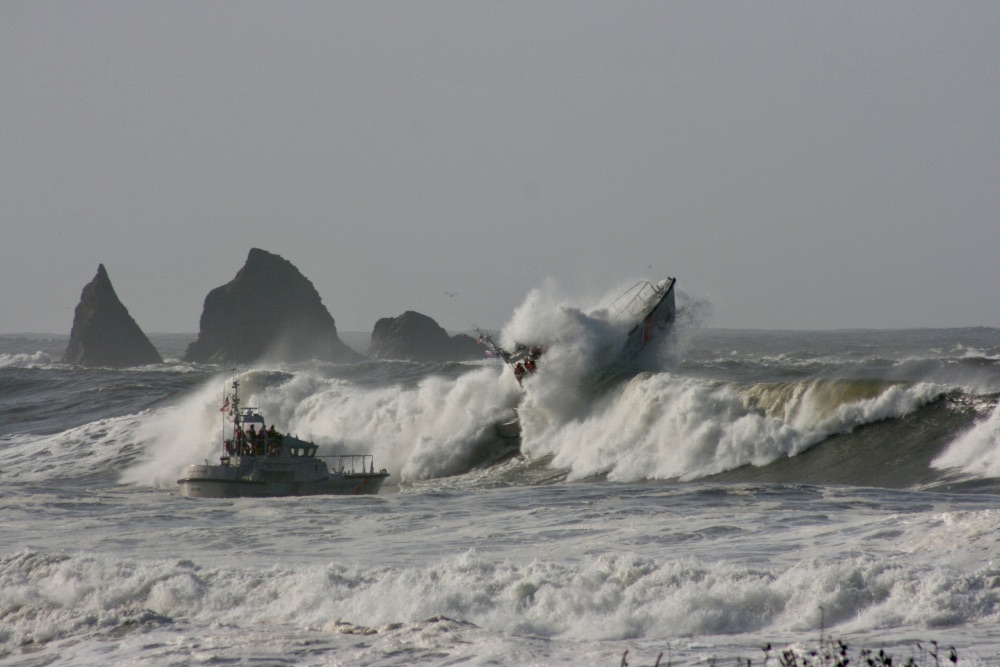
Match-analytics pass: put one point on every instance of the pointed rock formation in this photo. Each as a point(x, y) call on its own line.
point(268, 310)
point(103, 333)
point(416, 337)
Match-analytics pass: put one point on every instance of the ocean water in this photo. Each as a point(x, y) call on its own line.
point(747, 488)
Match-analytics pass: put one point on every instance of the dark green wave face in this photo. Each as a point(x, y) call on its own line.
point(890, 453)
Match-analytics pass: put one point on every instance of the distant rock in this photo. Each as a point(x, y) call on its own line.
point(269, 310)
point(103, 333)
point(416, 337)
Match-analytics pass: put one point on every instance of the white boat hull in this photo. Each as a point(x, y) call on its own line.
point(261, 481)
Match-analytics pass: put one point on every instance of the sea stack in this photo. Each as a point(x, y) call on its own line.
point(103, 333)
point(416, 337)
point(269, 310)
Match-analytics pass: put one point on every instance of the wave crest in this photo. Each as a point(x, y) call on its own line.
point(662, 426)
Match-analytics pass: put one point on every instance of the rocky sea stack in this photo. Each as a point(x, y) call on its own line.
point(416, 337)
point(268, 310)
point(103, 333)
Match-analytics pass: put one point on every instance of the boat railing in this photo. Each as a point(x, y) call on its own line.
point(643, 294)
point(352, 463)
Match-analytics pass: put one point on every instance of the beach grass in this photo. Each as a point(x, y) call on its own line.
point(830, 653)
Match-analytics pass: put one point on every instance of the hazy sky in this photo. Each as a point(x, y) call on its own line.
point(796, 164)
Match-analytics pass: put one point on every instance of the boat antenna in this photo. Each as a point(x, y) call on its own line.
point(460, 316)
point(222, 410)
point(485, 337)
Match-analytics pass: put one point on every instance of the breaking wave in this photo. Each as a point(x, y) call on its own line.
point(25, 360)
point(664, 426)
point(699, 408)
point(440, 425)
point(977, 451)
point(46, 597)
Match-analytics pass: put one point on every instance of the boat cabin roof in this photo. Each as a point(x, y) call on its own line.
point(250, 416)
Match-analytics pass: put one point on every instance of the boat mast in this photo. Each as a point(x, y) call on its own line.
point(236, 407)
point(497, 350)
point(225, 406)
point(230, 404)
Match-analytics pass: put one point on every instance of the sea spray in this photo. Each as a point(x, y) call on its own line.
point(654, 426)
point(439, 426)
point(436, 428)
point(580, 345)
point(591, 333)
point(173, 436)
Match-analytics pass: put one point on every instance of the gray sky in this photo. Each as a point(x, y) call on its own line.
point(797, 164)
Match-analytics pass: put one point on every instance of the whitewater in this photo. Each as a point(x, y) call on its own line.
point(745, 488)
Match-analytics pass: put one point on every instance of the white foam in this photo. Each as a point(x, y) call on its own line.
point(25, 360)
point(428, 430)
point(660, 425)
point(666, 426)
point(174, 436)
point(977, 451)
point(606, 597)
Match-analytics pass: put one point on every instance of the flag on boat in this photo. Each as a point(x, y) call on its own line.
point(225, 405)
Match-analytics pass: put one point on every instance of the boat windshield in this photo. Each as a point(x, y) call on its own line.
point(250, 416)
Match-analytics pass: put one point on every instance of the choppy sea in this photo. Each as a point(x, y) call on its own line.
point(750, 488)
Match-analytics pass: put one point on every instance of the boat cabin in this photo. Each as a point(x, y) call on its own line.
point(251, 438)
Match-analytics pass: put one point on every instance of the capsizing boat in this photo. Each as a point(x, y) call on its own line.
point(649, 307)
